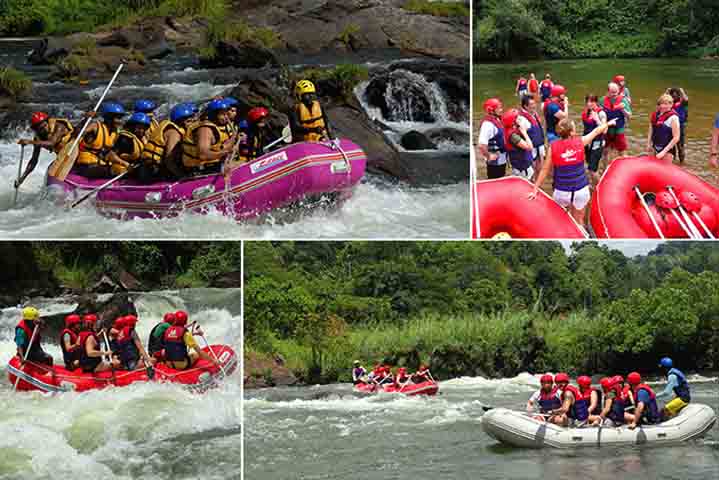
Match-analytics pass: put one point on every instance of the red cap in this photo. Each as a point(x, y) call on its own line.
point(606, 383)
point(169, 318)
point(618, 78)
point(90, 318)
point(130, 321)
point(180, 318)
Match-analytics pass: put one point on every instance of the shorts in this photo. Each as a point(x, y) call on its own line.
point(617, 141)
point(578, 199)
point(538, 153)
point(523, 173)
point(675, 406)
point(552, 137)
point(673, 151)
point(593, 153)
point(496, 171)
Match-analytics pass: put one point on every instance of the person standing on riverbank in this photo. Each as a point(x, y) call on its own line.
point(530, 121)
point(491, 139)
point(556, 109)
point(545, 88)
point(681, 106)
point(521, 88)
point(714, 149)
point(533, 87)
point(518, 144)
point(618, 108)
point(623, 89)
point(664, 130)
point(592, 117)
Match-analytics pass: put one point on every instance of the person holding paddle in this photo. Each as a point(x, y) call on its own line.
point(206, 143)
point(98, 140)
point(91, 354)
point(546, 399)
point(50, 133)
point(28, 338)
point(181, 349)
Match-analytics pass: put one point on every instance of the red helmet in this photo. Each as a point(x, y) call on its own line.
point(561, 377)
point(90, 318)
point(422, 368)
point(509, 117)
point(491, 105)
point(617, 379)
point(402, 370)
point(558, 90)
point(665, 199)
point(546, 378)
point(606, 383)
point(71, 320)
point(169, 318)
point(118, 323)
point(130, 321)
point(37, 118)
point(257, 114)
point(690, 201)
point(584, 381)
point(618, 78)
point(180, 318)
point(634, 378)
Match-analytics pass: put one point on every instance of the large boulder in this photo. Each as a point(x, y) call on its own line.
point(21, 275)
point(240, 55)
point(147, 36)
point(53, 49)
point(266, 371)
point(414, 140)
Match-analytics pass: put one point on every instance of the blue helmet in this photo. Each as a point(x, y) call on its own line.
point(112, 108)
point(666, 362)
point(231, 101)
point(140, 119)
point(243, 125)
point(195, 108)
point(216, 105)
point(181, 112)
point(145, 106)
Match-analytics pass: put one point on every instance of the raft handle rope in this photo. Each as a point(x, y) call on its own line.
point(19, 173)
point(694, 230)
point(207, 344)
point(335, 145)
point(103, 186)
point(109, 357)
point(27, 352)
point(649, 212)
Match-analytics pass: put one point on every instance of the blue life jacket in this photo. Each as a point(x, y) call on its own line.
point(545, 88)
point(496, 143)
point(682, 110)
point(126, 348)
point(570, 174)
point(616, 414)
point(519, 158)
point(612, 110)
point(580, 408)
point(549, 401)
point(661, 133)
point(681, 390)
point(535, 132)
point(651, 410)
point(357, 373)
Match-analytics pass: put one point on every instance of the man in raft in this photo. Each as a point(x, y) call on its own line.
point(677, 386)
point(522, 87)
point(206, 143)
point(545, 400)
point(70, 342)
point(565, 158)
point(155, 346)
point(556, 108)
point(646, 402)
point(529, 120)
point(307, 119)
point(714, 149)
point(181, 349)
point(126, 153)
point(422, 375)
point(520, 149)
point(129, 348)
point(27, 344)
point(664, 129)
point(401, 378)
point(359, 374)
point(575, 406)
point(50, 133)
point(147, 107)
point(98, 140)
point(91, 354)
point(163, 147)
point(618, 108)
point(592, 117)
point(614, 412)
point(491, 139)
point(681, 106)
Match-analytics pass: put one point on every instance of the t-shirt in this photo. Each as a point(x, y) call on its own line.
point(20, 337)
point(535, 396)
point(190, 341)
point(643, 396)
point(487, 131)
point(160, 330)
point(66, 338)
point(515, 139)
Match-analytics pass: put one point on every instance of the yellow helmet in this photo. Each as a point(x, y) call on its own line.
point(30, 313)
point(304, 86)
point(502, 236)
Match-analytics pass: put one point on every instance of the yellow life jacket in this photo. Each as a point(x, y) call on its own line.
point(311, 118)
point(51, 125)
point(127, 159)
point(190, 154)
point(154, 151)
point(94, 153)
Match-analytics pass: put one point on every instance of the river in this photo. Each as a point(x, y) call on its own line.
point(148, 431)
point(647, 78)
point(328, 432)
point(379, 208)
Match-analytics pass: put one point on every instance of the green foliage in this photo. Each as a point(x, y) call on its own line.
point(350, 30)
point(222, 30)
point(14, 82)
point(437, 8)
point(340, 80)
point(506, 29)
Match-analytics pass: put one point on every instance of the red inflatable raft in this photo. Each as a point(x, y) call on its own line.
point(505, 210)
point(425, 388)
point(681, 204)
point(57, 379)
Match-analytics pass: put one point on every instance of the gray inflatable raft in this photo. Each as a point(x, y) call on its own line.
point(520, 430)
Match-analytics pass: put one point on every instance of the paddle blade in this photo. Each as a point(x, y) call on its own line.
point(64, 162)
point(287, 134)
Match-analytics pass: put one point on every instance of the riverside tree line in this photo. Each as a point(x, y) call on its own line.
point(490, 309)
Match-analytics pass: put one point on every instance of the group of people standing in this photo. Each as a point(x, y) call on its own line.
point(538, 138)
point(382, 375)
point(87, 346)
point(617, 402)
point(190, 141)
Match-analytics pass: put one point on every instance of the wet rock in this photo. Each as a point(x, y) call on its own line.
point(98, 62)
point(228, 280)
point(452, 135)
point(104, 285)
point(263, 88)
point(414, 140)
point(266, 371)
point(53, 49)
point(128, 281)
point(106, 307)
point(147, 36)
point(240, 55)
point(434, 168)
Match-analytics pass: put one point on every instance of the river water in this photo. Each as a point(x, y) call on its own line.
point(147, 431)
point(379, 208)
point(646, 79)
point(328, 432)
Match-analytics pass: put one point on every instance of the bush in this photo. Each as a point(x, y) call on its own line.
point(13, 82)
point(338, 81)
point(437, 8)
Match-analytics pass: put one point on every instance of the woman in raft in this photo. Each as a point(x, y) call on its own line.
point(566, 158)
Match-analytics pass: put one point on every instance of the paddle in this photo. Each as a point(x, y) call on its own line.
point(19, 173)
point(65, 160)
point(103, 186)
point(286, 138)
point(207, 344)
point(695, 231)
point(649, 212)
point(27, 352)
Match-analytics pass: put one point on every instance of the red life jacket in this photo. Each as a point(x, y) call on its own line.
point(580, 408)
point(658, 120)
point(84, 335)
point(28, 332)
point(533, 85)
point(73, 337)
point(72, 354)
point(568, 152)
point(617, 105)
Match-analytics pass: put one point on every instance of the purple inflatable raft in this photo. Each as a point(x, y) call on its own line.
point(277, 179)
